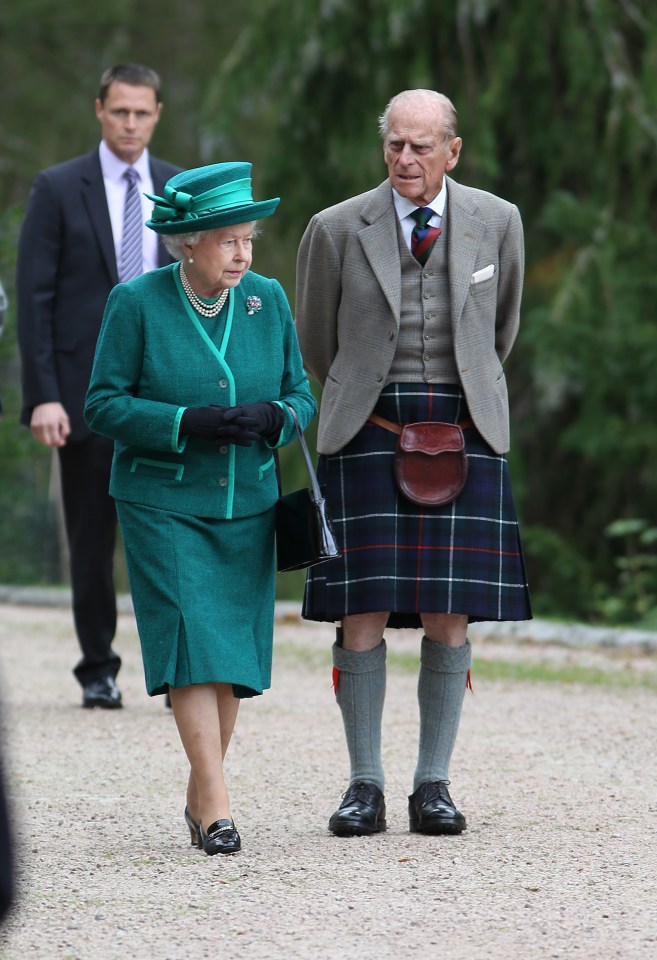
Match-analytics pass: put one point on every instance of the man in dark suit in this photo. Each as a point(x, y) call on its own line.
point(81, 235)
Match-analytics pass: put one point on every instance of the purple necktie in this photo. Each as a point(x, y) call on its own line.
point(131, 259)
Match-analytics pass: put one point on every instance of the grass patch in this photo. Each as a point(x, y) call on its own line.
point(310, 656)
point(567, 673)
point(534, 671)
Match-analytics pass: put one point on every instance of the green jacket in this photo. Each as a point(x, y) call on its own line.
point(155, 357)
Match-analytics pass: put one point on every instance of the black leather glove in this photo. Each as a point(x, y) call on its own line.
point(264, 418)
point(210, 424)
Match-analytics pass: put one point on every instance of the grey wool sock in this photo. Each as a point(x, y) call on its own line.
point(440, 692)
point(360, 693)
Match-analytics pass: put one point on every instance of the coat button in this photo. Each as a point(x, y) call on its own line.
point(223, 481)
point(223, 383)
point(223, 449)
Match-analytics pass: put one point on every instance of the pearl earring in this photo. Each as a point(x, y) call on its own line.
point(190, 259)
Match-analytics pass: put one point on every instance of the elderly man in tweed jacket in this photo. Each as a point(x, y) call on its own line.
point(408, 304)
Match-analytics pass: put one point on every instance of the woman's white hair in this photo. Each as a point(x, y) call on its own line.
point(174, 243)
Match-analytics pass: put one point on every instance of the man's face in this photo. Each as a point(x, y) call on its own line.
point(128, 116)
point(417, 153)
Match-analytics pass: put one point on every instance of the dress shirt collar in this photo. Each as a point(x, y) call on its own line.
point(113, 167)
point(406, 207)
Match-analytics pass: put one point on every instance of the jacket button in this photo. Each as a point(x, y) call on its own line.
point(223, 449)
point(223, 383)
point(223, 481)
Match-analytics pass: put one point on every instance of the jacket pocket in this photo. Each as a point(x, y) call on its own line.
point(159, 469)
point(265, 467)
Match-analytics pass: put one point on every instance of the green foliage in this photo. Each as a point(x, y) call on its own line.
point(634, 597)
point(560, 577)
point(28, 524)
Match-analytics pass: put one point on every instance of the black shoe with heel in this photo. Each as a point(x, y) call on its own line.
point(194, 829)
point(222, 837)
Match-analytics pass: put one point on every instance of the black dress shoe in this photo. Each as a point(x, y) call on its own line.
point(222, 837)
point(102, 693)
point(194, 829)
point(362, 811)
point(431, 810)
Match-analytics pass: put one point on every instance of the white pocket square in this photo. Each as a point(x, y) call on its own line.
point(484, 274)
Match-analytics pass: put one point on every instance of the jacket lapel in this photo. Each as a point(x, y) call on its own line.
point(95, 201)
point(465, 232)
point(379, 242)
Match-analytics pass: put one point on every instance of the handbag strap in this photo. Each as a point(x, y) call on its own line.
point(397, 427)
point(316, 493)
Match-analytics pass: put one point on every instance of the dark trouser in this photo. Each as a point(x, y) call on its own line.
point(91, 530)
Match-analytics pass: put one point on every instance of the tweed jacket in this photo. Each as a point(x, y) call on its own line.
point(349, 300)
point(155, 357)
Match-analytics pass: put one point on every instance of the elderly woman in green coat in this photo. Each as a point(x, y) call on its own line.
point(196, 369)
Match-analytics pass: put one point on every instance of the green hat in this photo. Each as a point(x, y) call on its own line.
point(208, 197)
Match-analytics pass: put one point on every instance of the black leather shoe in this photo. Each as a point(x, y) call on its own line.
point(222, 837)
point(194, 829)
point(102, 693)
point(431, 810)
point(362, 811)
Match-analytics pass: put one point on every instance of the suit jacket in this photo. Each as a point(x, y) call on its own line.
point(155, 357)
point(349, 300)
point(66, 270)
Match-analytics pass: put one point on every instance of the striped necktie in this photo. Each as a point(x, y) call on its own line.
point(131, 262)
point(423, 236)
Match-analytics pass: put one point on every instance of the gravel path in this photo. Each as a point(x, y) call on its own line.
point(557, 780)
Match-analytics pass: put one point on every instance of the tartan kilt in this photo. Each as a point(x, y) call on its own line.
point(464, 557)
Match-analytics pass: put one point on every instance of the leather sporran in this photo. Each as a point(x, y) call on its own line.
point(431, 465)
point(304, 530)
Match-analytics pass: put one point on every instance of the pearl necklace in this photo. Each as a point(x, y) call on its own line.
point(206, 311)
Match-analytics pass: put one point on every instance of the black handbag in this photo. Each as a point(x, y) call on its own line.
point(304, 530)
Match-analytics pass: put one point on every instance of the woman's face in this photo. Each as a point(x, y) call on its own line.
point(220, 258)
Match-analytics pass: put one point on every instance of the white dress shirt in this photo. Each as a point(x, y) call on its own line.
point(115, 190)
point(405, 208)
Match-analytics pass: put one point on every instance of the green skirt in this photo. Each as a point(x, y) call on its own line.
point(203, 593)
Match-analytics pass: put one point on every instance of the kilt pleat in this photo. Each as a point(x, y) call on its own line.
point(464, 557)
